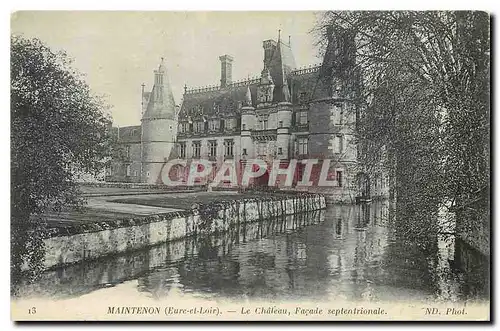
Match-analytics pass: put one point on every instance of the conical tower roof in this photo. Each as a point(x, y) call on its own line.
point(161, 103)
point(248, 97)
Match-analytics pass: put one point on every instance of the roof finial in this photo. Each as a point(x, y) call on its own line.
point(289, 40)
point(279, 35)
point(185, 88)
point(161, 66)
point(248, 97)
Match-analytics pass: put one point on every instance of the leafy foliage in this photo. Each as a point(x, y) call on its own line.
point(423, 102)
point(57, 126)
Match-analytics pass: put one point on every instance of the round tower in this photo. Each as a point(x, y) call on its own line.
point(159, 128)
point(248, 119)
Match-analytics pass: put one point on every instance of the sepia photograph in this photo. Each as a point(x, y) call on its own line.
point(250, 166)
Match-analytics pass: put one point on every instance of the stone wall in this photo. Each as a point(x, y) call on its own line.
point(94, 240)
point(81, 278)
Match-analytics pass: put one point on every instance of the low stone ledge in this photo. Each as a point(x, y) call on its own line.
point(93, 240)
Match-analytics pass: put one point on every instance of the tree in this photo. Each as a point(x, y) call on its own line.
point(425, 100)
point(57, 125)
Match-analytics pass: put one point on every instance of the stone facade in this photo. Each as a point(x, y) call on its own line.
point(285, 113)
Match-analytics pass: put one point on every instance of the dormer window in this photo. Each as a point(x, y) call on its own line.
point(302, 97)
point(230, 123)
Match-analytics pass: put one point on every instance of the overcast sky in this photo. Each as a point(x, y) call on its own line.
point(118, 51)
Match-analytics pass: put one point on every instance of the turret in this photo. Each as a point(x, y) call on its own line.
point(284, 116)
point(159, 126)
point(248, 121)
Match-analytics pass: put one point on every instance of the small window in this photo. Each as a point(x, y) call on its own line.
point(280, 124)
point(230, 124)
point(263, 122)
point(214, 125)
point(280, 151)
point(302, 117)
point(339, 146)
point(244, 151)
point(212, 148)
point(128, 170)
point(244, 126)
point(339, 178)
point(148, 174)
point(302, 97)
point(199, 127)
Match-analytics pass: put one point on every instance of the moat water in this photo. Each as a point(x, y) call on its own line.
point(345, 252)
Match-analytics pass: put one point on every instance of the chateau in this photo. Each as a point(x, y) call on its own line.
point(285, 113)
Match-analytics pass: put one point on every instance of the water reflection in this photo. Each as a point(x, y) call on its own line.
point(346, 252)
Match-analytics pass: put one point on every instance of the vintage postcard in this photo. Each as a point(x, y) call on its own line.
point(256, 166)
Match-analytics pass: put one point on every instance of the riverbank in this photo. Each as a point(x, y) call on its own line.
point(157, 221)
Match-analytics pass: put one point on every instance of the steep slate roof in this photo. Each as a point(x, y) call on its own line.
point(216, 101)
point(280, 66)
point(164, 107)
point(128, 134)
point(196, 105)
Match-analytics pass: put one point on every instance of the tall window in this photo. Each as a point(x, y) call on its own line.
point(263, 122)
point(302, 146)
point(229, 147)
point(302, 117)
point(212, 148)
point(339, 144)
point(127, 152)
point(182, 150)
point(128, 170)
point(196, 149)
point(339, 178)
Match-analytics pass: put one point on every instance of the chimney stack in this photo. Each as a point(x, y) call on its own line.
point(226, 70)
point(269, 48)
